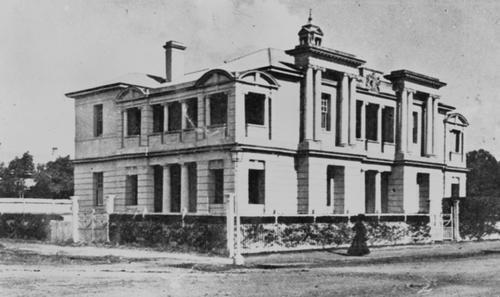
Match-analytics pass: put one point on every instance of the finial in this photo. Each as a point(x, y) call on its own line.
point(309, 20)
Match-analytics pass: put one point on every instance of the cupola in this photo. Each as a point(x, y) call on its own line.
point(309, 34)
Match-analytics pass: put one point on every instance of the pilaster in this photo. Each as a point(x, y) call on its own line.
point(166, 189)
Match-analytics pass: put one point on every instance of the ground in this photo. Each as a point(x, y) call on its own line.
point(24, 273)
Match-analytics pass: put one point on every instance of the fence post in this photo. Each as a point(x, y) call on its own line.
point(230, 224)
point(75, 220)
point(110, 208)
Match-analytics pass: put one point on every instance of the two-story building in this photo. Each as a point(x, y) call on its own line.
point(302, 131)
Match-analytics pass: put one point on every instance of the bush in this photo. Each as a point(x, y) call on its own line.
point(478, 216)
point(26, 226)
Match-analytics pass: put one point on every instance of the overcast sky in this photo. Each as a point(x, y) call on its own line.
point(48, 48)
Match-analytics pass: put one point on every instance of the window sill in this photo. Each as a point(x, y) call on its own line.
point(133, 136)
point(372, 141)
point(389, 143)
point(172, 132)
point(217, 126)
point(256, 125)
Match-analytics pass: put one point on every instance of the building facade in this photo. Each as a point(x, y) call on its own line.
point(309, 130)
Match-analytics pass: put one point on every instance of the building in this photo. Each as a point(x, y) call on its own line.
point(309, 130)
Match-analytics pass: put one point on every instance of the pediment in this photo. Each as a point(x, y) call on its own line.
point(214, 77)
point(457, 119)
point(132, 93)
point(260, 78)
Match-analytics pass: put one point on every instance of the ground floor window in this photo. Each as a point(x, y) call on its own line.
point(98, 188)
point(131, 190)
point(256, 186)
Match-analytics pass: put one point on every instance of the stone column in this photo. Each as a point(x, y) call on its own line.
point(166, 189)
point(123, 127)
point(378, 193)
point(402, 121)
point(184, 188)
point(434, 125)
point(429, 110)
point(409, 118)
point(344, 110)
point(165, 117)
point(352, 110)
point(308, 105)
point(125, 123)
point(317, 103)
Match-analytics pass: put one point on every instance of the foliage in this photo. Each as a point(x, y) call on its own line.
point(478, 216)
point(195, 236)
point(54, 180)
point(13, 176)
point(484, 176)
point(26, 226)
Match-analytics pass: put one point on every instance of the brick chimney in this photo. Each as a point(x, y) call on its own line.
point(174, 60)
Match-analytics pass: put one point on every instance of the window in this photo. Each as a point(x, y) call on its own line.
point(415, 127)
point(218, 109)
point(98, 188)
point(372, 121)
point(174, 116)
point(97, 120)
point(457, 135)
point(158, 118)
point(359, 110)
point(455, 190)
point(217, 186)
point(325, 111)
point(133, 121)
point(131, 190)
point(254, 108)
point(388, 124)
point(256, 186)
point(191, 113)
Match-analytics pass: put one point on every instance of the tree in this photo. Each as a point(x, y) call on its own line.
point(484, 175)
point(14, 175)
point(54, 180)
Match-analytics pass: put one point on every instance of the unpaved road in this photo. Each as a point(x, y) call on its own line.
point(30, 276)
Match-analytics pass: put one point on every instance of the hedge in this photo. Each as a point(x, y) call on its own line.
point(26, 226)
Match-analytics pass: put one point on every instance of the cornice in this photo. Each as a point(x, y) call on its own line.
point(410, 76)
point(328, 54)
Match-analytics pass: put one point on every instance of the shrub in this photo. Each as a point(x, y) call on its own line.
point(478, 216)
point(26, 226)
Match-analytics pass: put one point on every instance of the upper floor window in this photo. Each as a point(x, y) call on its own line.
point(133, 121)
point(359, 117)
point(254, 108)
point(372, 121)
point(191, 115)
point(158, 118)
point(457, 140)
point(415, 126)
point(218, 109)
point(174, 116)
point(388, 124)
point(97, 120)
point(326, 103)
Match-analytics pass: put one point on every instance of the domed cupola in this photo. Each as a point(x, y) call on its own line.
point(309, 34)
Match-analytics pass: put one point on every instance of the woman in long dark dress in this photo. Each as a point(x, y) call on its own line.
point(358, 246)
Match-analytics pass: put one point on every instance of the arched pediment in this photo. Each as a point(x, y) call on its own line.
point(457, 119)
point(256, 77)
point(131, 93)
point(214, 77)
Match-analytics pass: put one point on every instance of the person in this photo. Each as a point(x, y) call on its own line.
point(358, 246)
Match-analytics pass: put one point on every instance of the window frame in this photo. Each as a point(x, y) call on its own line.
point(98, 120)
point(260, 199)
point(158, 118)
point(134, 130)
point(191, 114)
point(388, 128)
point(131, 189)
point(253, 118)
point(98, 188)
point(221, 114)
point(326, 112)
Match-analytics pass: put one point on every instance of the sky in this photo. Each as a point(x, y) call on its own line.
point(49, 48)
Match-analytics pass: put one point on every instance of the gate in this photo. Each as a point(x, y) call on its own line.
point(447, 220)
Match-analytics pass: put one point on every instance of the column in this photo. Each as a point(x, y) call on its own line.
point(184, 188)
point(165, 117)
point(409, 119)
point(434, 126)
point(317, 103)
point(344, 112)
point(379, 124)
point(125, 122)
point(166, 189)
point(123, 127)
point(363, 121)
point(429, 110)
point(352, 110)
point(456, 221)
point(378, 192)
point(403, 121)
point(308, 105)
point(183, 119)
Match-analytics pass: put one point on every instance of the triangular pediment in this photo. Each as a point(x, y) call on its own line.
point(131, 93)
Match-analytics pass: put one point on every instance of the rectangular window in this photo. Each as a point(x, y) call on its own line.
point(133, 121)
point(217, 186)
point(325, 111)
point(455, 190)
point(388, 124)
point(254, 108)
point(98, 188)
point(174, 116)
point(131, 190)
point(218, 109)
point(256, 186)
point(158, 118)
point(191, 113)
point(359, 109)
point(457, 135)
point(97, 120)
point(372, 122)
point(415, 127)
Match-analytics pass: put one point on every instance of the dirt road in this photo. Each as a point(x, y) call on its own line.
point(29, 275)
